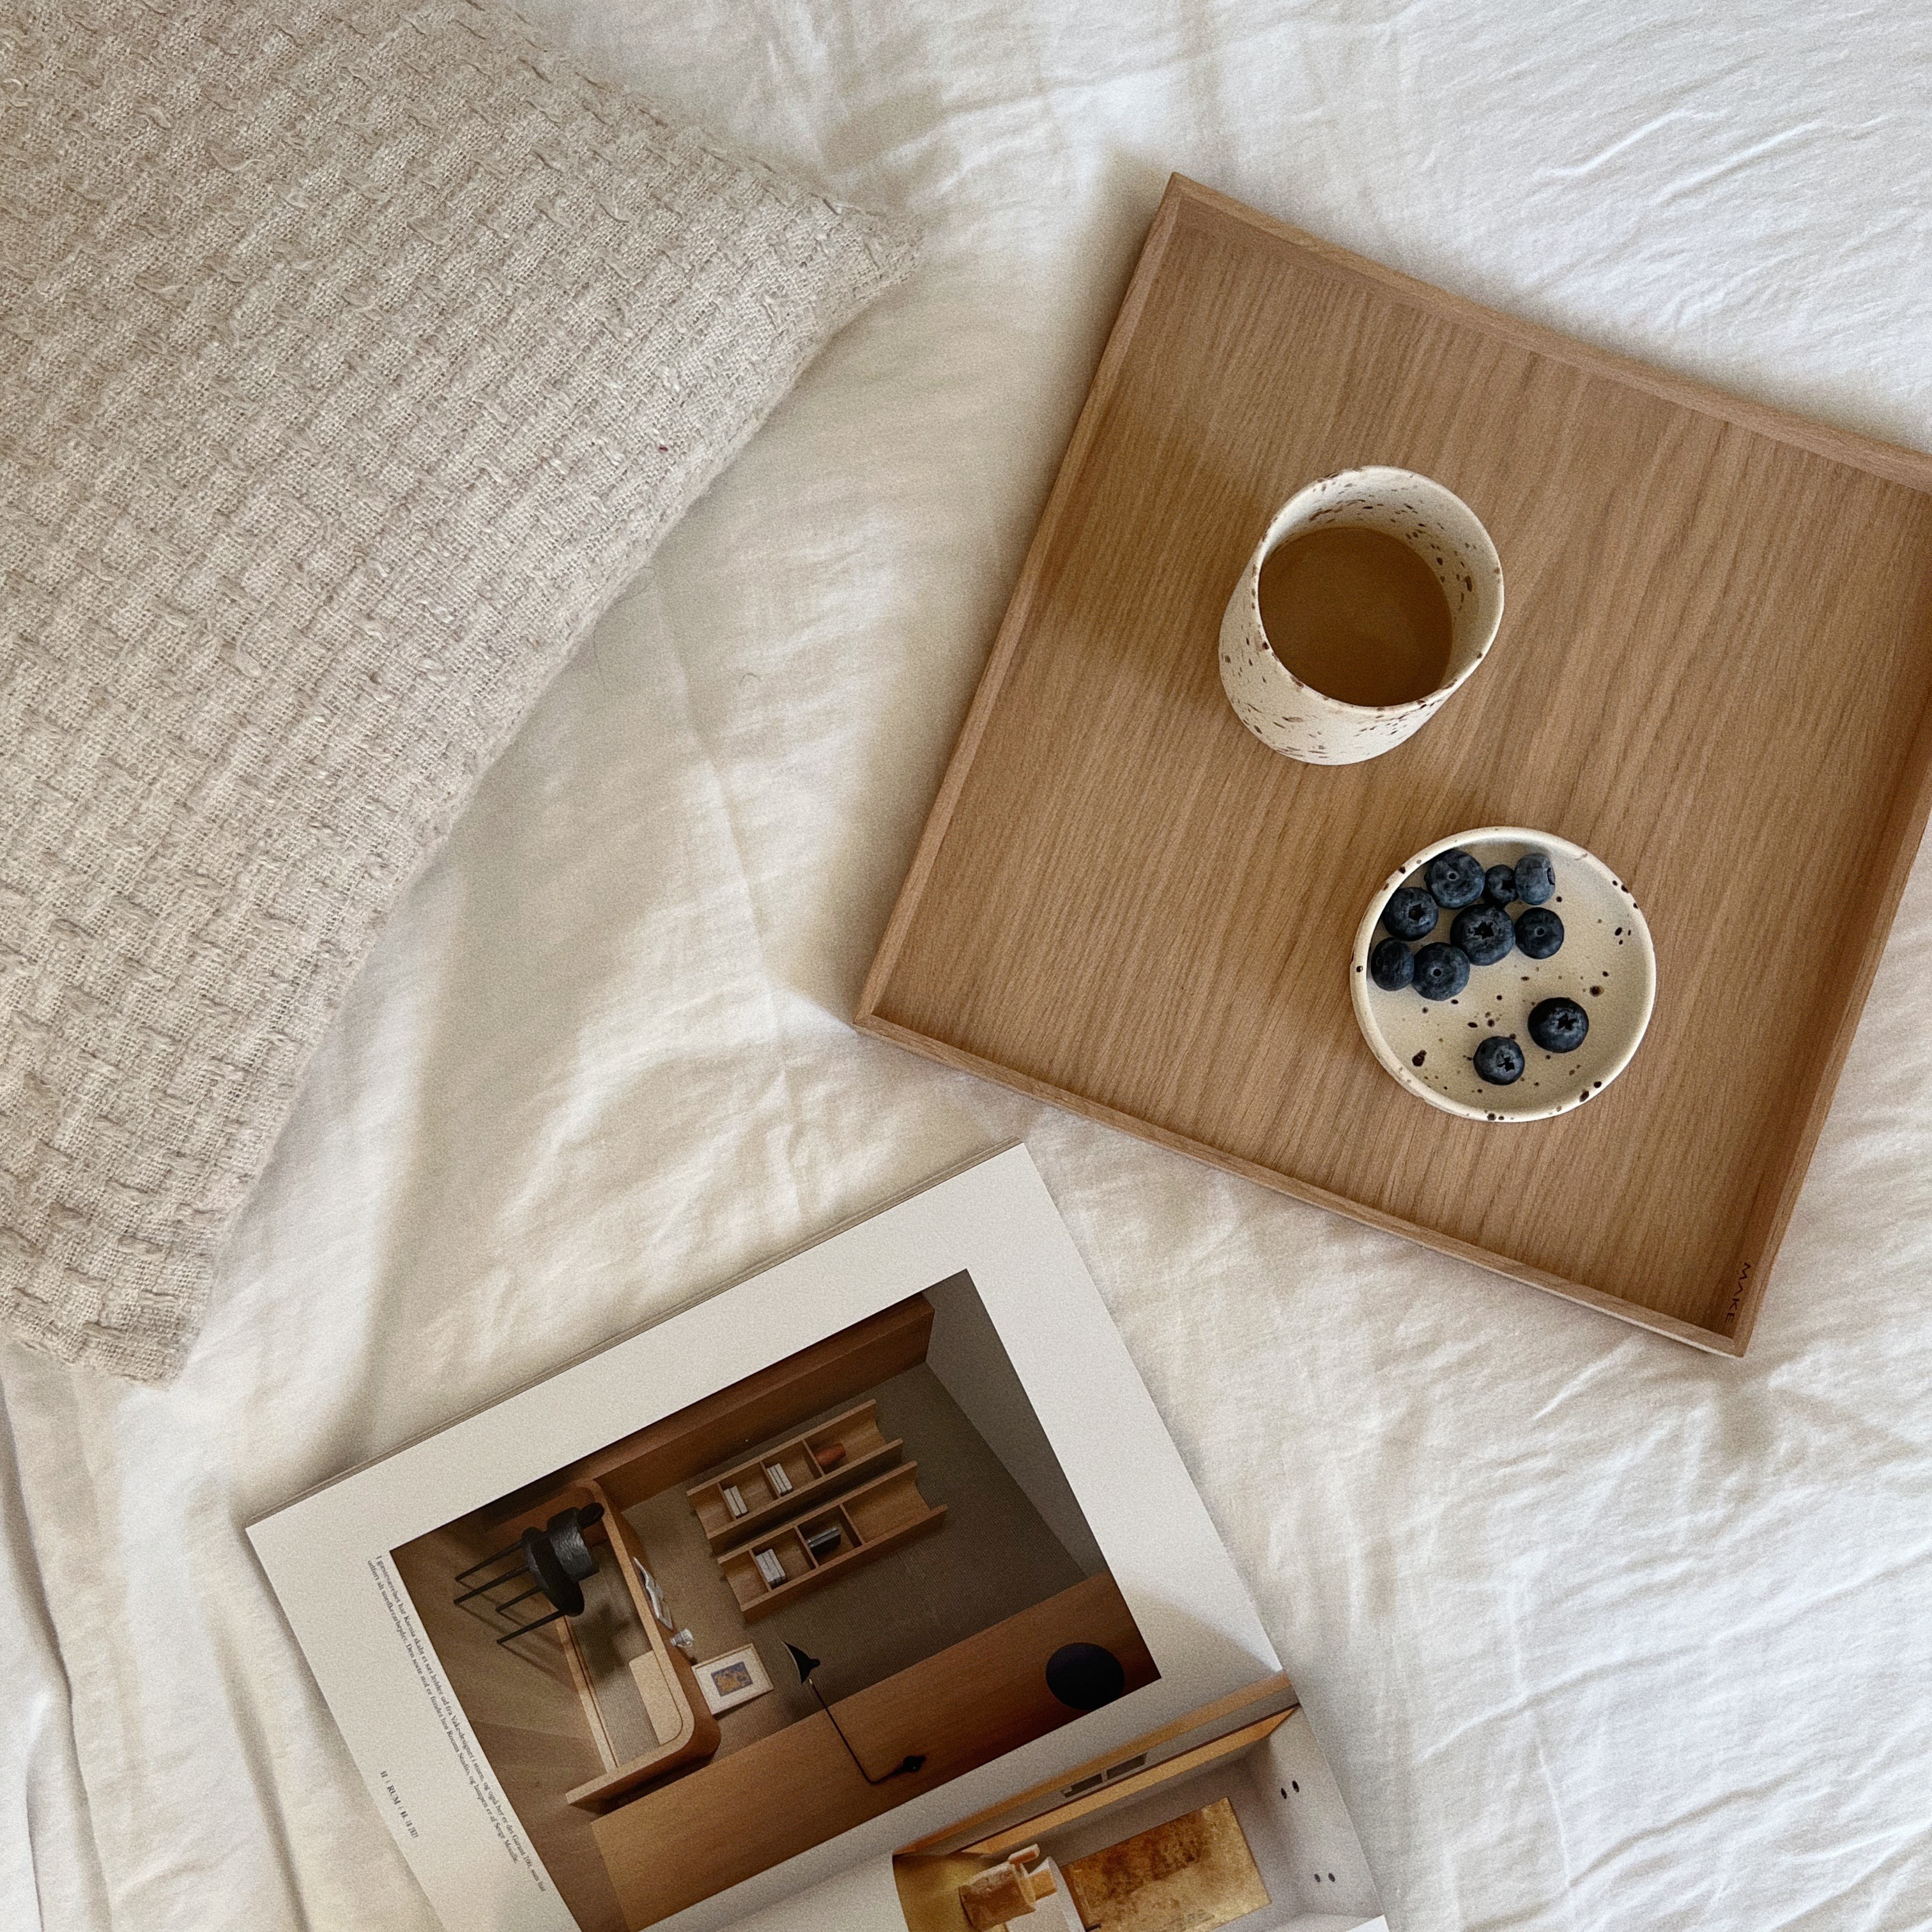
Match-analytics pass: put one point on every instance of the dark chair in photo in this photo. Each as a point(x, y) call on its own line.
point(556, 1559)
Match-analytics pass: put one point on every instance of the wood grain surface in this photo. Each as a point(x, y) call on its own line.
point(1713, 671)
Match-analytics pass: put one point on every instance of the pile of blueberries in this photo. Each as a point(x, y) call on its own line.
point(1481, 933)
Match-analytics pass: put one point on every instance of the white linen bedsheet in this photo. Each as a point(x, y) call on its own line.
point(1600, 1632)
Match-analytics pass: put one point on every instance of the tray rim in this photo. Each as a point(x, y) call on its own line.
point(1902, 821)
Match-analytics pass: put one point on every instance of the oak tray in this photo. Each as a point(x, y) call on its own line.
point(1714, 669)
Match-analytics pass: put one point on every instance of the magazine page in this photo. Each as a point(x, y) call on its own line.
point(863, 1546)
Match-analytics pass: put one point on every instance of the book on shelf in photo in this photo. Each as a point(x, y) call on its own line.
point(503, 1617)
point(780, 1482)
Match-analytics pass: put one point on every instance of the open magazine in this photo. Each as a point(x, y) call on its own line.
point(867, 1595)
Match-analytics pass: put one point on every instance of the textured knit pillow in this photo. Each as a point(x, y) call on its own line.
point(351, 356)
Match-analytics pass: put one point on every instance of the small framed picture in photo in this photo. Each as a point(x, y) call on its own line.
point(732, 1679)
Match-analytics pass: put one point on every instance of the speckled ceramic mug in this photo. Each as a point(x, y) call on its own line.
point(1293, 717)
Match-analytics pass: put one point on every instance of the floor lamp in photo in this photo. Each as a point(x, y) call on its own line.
point(806, 1663)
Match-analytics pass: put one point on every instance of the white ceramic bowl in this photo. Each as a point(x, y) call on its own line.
point(1606, 964)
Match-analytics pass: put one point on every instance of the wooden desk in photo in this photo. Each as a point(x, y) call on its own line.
point(742, 1814)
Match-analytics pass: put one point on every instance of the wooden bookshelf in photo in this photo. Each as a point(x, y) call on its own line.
point(820, 1464)
point(867, 1521)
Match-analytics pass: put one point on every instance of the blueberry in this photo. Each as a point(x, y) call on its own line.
point(1391, 965)
point(1455, 878)
point(1498, 1060)
point(1539, 931)
point(1535, 878)
point(1484, 933)
point(1499, 885)
point(1441, 972)
point(1556, 1025)
point(1410, 913)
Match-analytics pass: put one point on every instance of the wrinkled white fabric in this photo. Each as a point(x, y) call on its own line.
point(1599, 1632)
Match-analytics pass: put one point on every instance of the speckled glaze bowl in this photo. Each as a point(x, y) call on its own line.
point(1606, 964)
point(1295, 718)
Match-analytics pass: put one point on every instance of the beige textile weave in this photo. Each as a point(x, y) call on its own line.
point(351, 356)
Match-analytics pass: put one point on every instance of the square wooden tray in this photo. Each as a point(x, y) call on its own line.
point(1713, 671)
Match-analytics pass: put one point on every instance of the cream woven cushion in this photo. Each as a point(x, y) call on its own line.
point(351, 356)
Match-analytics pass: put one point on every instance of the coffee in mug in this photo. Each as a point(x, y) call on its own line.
point(1371, 598)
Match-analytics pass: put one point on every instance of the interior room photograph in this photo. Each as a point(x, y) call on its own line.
point(763, 1609)
point(634, 631)
point(1237, 1821)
